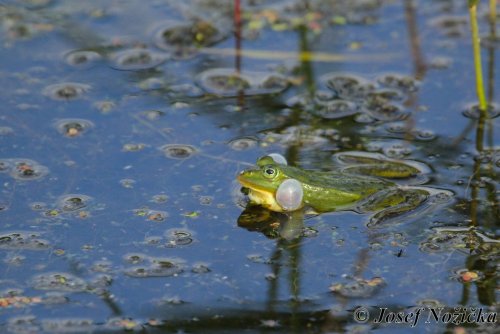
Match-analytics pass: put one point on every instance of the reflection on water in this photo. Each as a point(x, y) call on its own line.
point(123, 126)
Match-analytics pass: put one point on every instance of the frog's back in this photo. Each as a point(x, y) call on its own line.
point(330, 191)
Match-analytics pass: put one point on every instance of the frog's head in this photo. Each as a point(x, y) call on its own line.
point(266, 178)
point(265, 185)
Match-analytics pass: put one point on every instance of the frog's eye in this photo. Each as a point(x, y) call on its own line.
point(270, 172)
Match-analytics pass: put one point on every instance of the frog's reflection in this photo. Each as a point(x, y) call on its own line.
point(272, 224)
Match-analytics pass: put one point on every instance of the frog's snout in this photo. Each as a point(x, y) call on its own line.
point(239, 177)
point(244, 177)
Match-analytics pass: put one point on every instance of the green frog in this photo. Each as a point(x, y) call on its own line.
point(363, 185)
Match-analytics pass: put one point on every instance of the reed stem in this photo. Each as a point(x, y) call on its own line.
point(493, 11)
point(477, 56)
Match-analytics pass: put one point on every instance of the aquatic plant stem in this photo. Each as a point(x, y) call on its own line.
point(237, 34)
point(491, 187)
point(419, 65)
point(493, 11)
point(477, 56)
point(491, 50)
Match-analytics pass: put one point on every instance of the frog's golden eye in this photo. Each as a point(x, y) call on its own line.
point(270, 172)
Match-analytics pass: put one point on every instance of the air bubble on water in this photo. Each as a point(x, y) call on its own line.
point(178, 237)
point(132, 147)
point(5, 131)
point(397, 127)
point(358, 288)
point(59, 282)
point(404, 83)
point(73, 202)
point(72, 325)
point(424, 135)
point(397, 150)
point(82, 58)
point(127, 183)
point(73, 127)
point(388, 112)
point(23, 240)
point(464, 275)
point(206, 200)
point(23, 324)
point(335, 109)
point(184, 38)
point(348, 86)
point(227, 82)
point(137, 59)
point(160, 198)
point(66, 91)
point(472, 111)
point(200, 268)
point(364, 119)
point(157, 267)
point(243, 143)
point(178, 151)
point(25, 169)
point(135, 258)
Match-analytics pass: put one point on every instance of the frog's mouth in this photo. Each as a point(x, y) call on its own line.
point(259, 195)
point(252, 186)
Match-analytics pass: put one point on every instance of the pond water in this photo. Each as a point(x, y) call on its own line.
point(124, 124)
